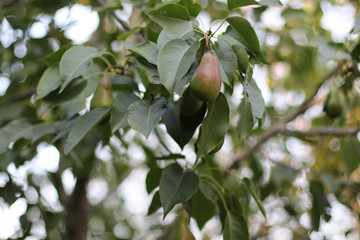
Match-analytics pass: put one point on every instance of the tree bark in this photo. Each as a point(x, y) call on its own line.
point(77, 211)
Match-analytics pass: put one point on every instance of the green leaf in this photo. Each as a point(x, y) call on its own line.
point(241, 3)
point(144, 114)
point(75, 62)
point(181, 128)
point(155, 203)
point(119, 114)
point(320, 204)
point(357, 24)
point(242, 57)
point(85, 124)
point(256, 99)
point(20, 128)
point(173, 18)
point(49, 81)
point(78, 103)
point(146, 50)
point(214, 126)
point(202, 209)
point(193, 8)
point(175, 59)
point(246, 33)
point(227, 61)
point(176, 186)
point(246, 122)
point(153, 179)
point(252, 189)
point(240, 32)
point(350, 156)
point(235, 226)
point(124, 36)
point(71, 92)
point(54, 57)
point(165, 37)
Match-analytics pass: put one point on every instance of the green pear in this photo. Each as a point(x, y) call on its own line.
point(332, 106)
point(103, 94)
point(205, 84)
point(189, 105)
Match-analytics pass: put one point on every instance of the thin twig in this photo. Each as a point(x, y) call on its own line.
point(281, 126)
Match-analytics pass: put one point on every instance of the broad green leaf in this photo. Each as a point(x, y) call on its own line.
point(78, 103)
point(70, 93)
point(181, 128)
point(153, 179)
point(175, 59)
point(214, 126)
point(12, 132)
point(83, 126)
point(246, 122)
point(165, 37)
point(54, 57)
point(193, 8)
point(119, 114)
point(357, 24)
point(242, 57)
point(176, 186)
point(246, 33)
point(155, 203)
point(75, 62)
point(49, 81)
point(240, 32)
point(202, 209)
point(235, 227)
point(241, 3)
point(283, 175)
point(227, 62)
point(35, 132)
point(147, 50)
point(143, 115)
point(124, 36)
point(20, 128)
point(350, 156)
point(252, 189)
point(320, 204)
point(256, 99)
point(173, 18)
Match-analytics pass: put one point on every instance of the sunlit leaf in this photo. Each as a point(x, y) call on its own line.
point(147, 50)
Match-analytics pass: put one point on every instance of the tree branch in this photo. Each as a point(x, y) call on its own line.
point(280, 127)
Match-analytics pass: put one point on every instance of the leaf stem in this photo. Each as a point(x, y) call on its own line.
point(105, 61)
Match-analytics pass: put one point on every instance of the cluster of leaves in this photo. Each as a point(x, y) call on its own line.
point(147, 82)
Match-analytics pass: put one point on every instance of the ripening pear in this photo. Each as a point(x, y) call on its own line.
point(103, 94)
point(180, 229)
point(189, 105)
point(205, 84)
point(332, 106)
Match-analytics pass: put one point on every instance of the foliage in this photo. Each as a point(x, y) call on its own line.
point(262, 164)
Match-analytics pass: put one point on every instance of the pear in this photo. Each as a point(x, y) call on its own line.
point(189, 105)
point(205, 84)
point(332, 106)
point(103, 94)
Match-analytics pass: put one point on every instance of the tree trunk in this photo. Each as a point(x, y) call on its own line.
point(76, 211)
